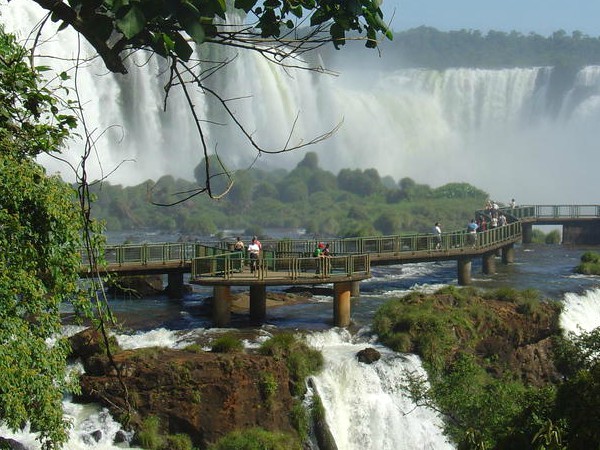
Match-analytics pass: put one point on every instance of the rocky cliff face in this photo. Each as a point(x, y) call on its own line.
point(204, 395)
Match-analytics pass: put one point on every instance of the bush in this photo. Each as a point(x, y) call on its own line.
point(179, 442)
point(301, 360)
point(553, 237)
point(227, 344)
point(149, 435)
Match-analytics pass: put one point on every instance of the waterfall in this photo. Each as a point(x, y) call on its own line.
point(512, 132)
point(581, 312)
point(365, 405)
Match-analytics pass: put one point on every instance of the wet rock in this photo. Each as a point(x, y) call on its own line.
point(11, 444)
point(368, 356)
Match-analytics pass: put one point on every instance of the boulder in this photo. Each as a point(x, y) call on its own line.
point(368, 355)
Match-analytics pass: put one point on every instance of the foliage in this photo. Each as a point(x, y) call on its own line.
point(488, 408)
point(178, 442)
point(307, 197)
point(227, 343)
point(163, 27)
point(553, 237)
point(149, 434)
point(590, 264)
point(301, 360)
point(39, 236)
point(431, 48)
point(256, 439)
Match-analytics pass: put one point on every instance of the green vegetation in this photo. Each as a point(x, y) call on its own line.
point(256, 439)
point(539, 237)
point(466, 340)
point(590, 264)
point(150, 437)
point(40, 241)
point(353, 203)
point(300, 359)
point(227, 343)
point(430, 48)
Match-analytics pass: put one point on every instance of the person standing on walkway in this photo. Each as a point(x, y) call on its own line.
point(253, 253)
point(437, 232)
point(239, 247)
point(472, 230)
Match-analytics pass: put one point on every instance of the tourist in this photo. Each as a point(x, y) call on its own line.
point(254, 253)
point(437, 232)
point(513, 204)
point(472, 232)
point(239, 248)
point(326, 251)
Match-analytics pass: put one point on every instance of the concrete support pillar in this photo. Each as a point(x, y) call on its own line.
point(221, 306)
point(527, 233)
point(355, 290)
point(258, 303)
point(489, 263)
point(508, 254)
point(341, 303)
point(175, 285)
point(464, 271)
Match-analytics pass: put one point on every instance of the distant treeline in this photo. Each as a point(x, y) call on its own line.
point(428, 47)
point(351, 203)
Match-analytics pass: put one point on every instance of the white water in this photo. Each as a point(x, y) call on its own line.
point(581, 313)
point(365, 406)
point(496, 129)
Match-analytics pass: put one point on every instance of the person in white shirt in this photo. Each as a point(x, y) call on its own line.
point(437, 231)
point(254, 252)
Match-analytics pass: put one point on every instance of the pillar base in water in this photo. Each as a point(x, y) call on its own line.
point(341, 304)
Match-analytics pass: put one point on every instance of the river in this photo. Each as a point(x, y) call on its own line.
point(365, 406)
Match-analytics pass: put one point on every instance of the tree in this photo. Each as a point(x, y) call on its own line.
point(40, 242)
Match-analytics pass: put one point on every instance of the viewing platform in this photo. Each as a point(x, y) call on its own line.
point(289, 262)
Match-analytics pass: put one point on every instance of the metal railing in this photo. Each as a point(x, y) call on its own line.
point(155, 253)
point(554, 211)
point(232, 265)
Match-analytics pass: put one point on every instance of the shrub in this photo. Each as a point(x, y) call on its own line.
point(179, 442)
point(227, 344)
point(553, 237)
point(149, 435)
point(301, 360)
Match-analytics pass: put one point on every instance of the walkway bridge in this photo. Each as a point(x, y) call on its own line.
point(289, 262)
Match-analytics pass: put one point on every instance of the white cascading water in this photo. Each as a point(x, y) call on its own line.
point(366, 408)
point(581, 312)
point(495, 129)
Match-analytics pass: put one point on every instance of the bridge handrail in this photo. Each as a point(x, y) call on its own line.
point(554, 211)
point(165, 252)
point(294, 268)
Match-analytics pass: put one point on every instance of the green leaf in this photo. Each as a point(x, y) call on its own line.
point(338, 34)
point(182, 49)
point(194, 29)
point(132, 23)
point(246, 5)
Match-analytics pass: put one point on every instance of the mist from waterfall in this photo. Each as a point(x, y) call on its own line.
point(507, 131)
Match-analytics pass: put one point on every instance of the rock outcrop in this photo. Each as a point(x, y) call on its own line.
point(204, 395)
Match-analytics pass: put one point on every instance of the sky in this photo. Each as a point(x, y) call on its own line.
point(538, 16)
